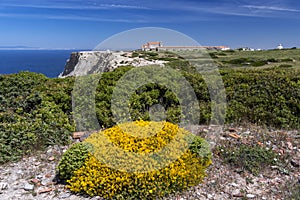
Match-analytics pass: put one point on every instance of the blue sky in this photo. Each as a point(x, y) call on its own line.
point(83, 24)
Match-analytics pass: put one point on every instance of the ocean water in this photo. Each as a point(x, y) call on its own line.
point(48, 62)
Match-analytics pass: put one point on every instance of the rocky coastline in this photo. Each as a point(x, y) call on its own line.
point(90, 62)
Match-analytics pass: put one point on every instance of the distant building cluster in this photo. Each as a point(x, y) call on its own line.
point(158, 46)
point(251, 49)
point(248, 49)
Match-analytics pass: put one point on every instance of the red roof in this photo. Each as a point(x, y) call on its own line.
point(153, 43)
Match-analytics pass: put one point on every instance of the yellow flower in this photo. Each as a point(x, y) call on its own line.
point(96, 178)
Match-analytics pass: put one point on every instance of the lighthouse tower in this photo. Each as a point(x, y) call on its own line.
point(280, 46)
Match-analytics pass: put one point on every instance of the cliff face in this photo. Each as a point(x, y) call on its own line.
point(91, 62)
point(88, 62)
point(70, 65)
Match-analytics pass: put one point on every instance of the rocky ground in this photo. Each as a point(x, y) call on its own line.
point(35, 177)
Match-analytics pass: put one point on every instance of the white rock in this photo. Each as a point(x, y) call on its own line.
point(28, 187)
point(234, 184)
point(96, 198)
point(64, 195)
point(44, 183)
point(49, 151)
point(250, 196)
point(39, 176)
point(236, 192)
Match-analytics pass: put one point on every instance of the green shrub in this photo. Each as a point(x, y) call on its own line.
point(229, 51)
point(272, 60)
point(285, 66)
point(34, 113)
point(259, 63)
point(96, 177)
point(135, 54)
point(252, 158)
point(140, 102)
point(247, 61)
point(152, 54)
point(213, 54)
point(286, 60)
point(266, 97)
point(199, 146)
point(168, 59)
point(239, 61)
point(263, 96)
point(73, 159)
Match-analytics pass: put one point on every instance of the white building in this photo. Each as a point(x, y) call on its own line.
point(280, 46)
point(151, 46)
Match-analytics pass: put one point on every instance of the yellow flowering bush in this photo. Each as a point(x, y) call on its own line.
point(141, 160)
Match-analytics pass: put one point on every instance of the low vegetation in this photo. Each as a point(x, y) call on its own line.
point(265, 97)
point(36, 111)
point(263, 58)
point(73, 159)
point(252, 158)
point(262, 88)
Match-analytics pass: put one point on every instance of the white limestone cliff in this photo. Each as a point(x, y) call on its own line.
point(90, 62)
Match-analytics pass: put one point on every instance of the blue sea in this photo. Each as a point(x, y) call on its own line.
point(48, 62)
